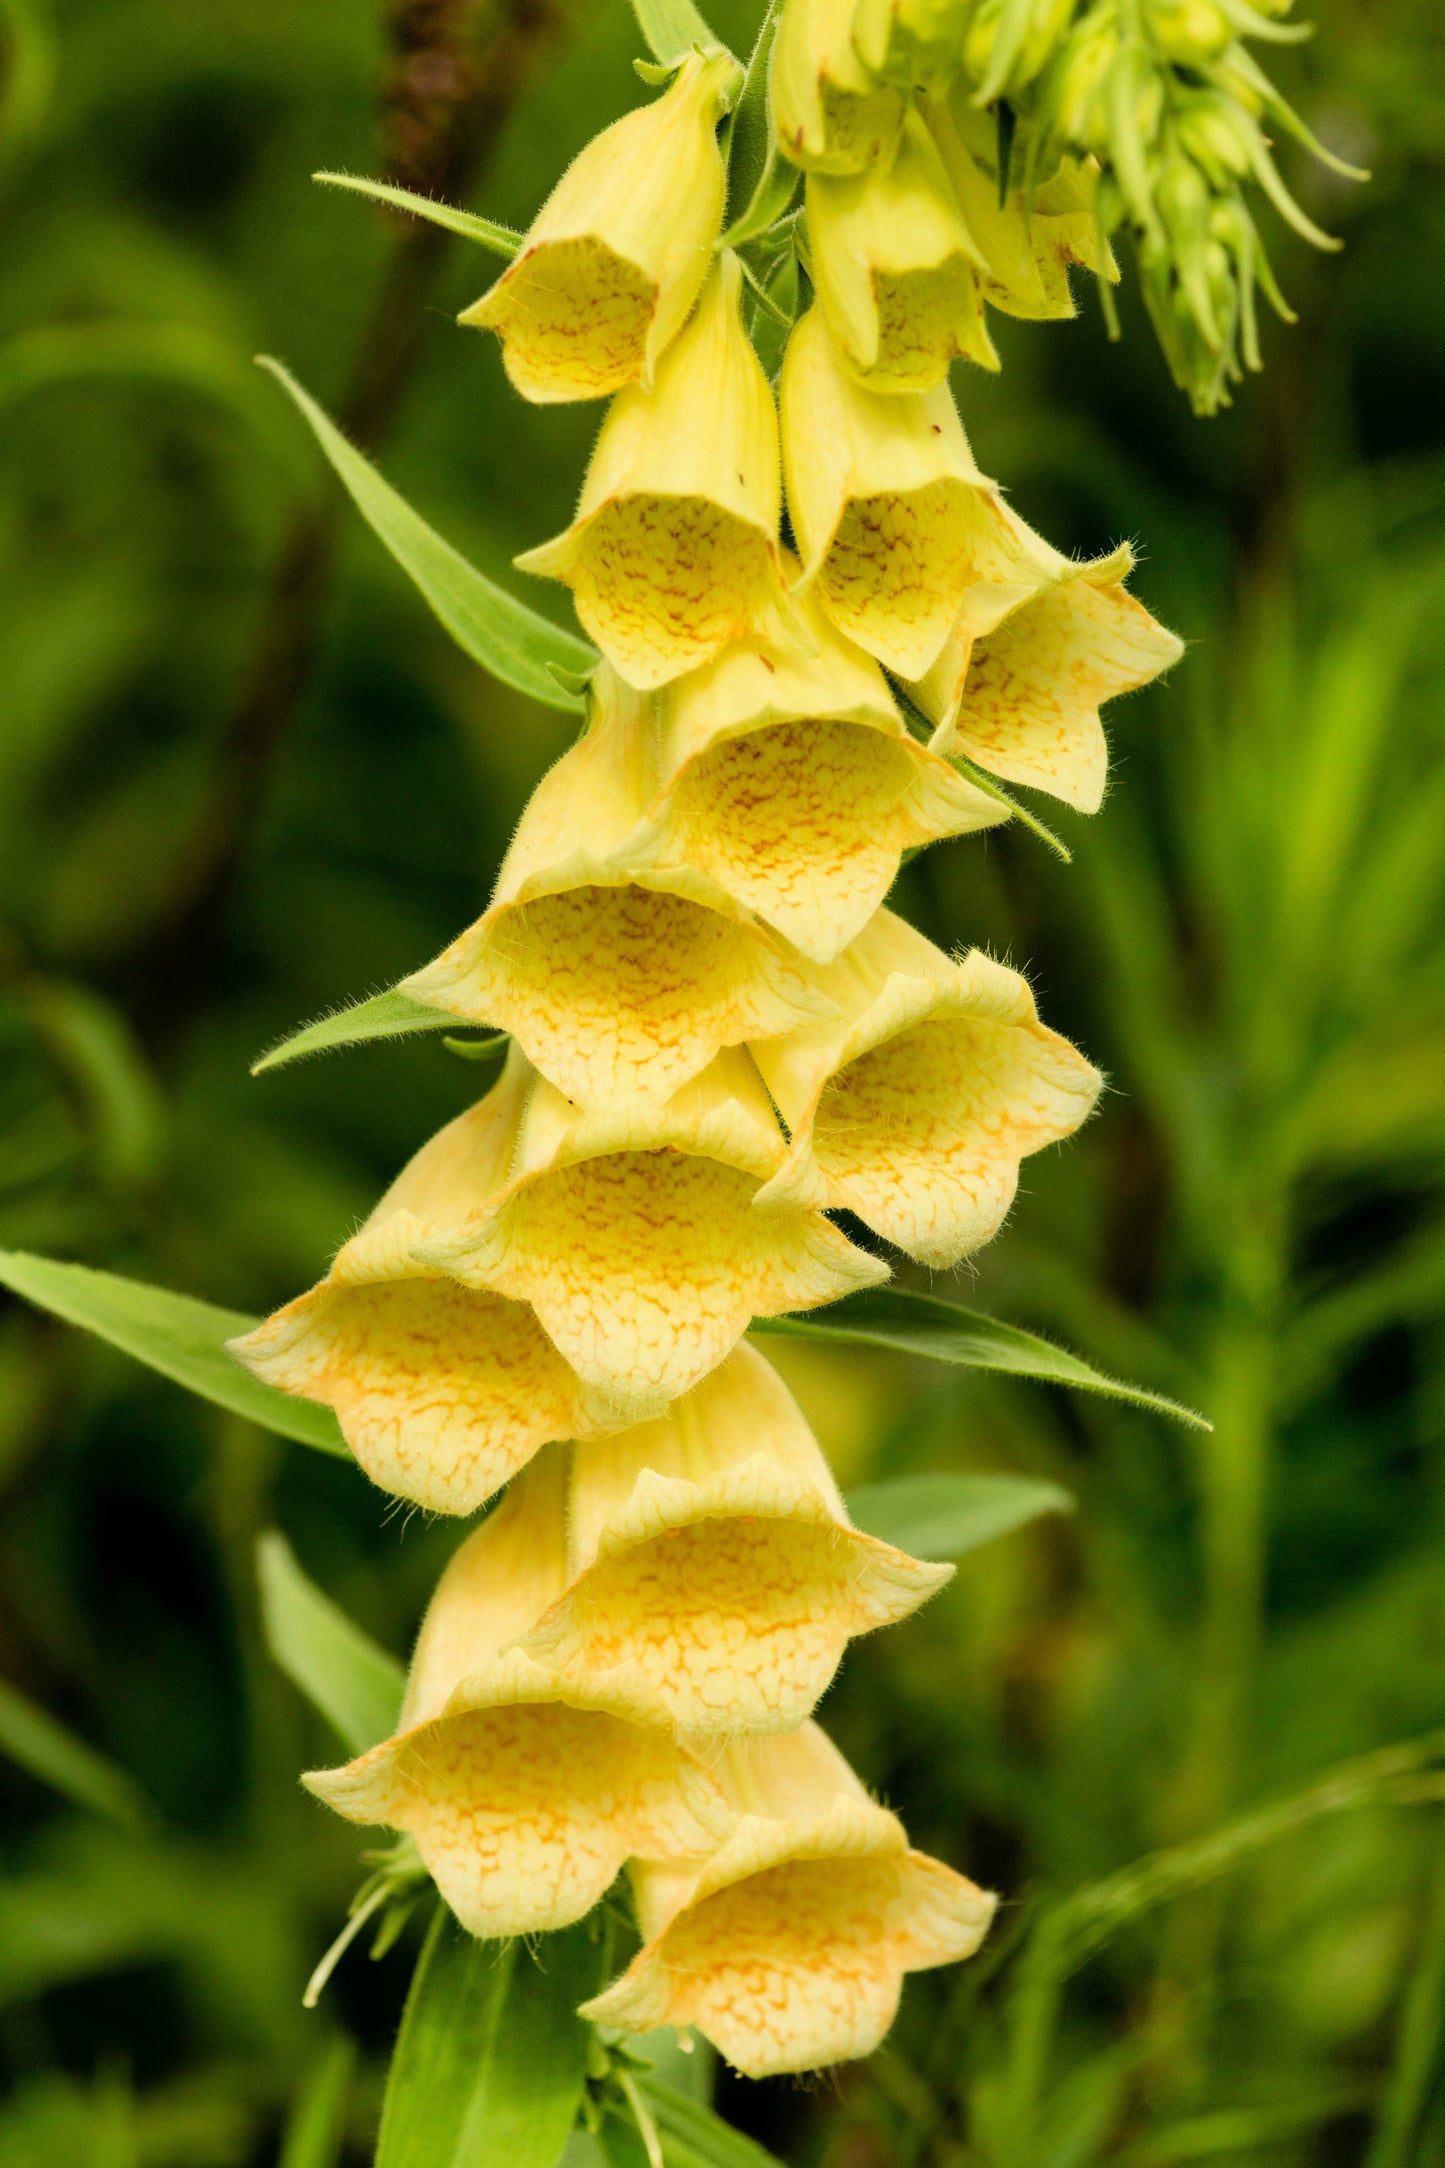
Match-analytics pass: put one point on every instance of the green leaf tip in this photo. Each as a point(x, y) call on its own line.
point(509, 640)
point(892, 1317)
point(943, 1516)
point(501, 240)
point(181, 1338)
point(391, 1015)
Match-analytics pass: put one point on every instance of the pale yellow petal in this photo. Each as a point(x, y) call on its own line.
point(831, 116)
point(893, 519)
point(673, 552)
point(715, 1577)
point(614, 260)
point(788, 1949)
point(914, 1108)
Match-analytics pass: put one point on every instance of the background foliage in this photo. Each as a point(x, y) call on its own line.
point(244, 776)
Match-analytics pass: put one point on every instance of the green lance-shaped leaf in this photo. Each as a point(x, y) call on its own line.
point(34, 1738)
point(501, 240)
point(942, 1516)
point(502, 634)
point(761, 185)
point(316, 2126)
point(341, 1671)
point(922, 1325)
point(183, 1339)
point(391, 1015)
point(491, 2057)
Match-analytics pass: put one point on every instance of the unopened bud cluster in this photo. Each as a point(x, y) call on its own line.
point(720, 1037)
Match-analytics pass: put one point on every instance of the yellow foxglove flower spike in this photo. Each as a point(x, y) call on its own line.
point(893, 520)
point(788, 1949)
point(787, 777)
point(614, 259)
point(616, 974)
point(632, 1232)
point(442, 1391)
point(674, 550)
point(715, 1575)
point(897, 269)
point(1019, 683)
point(524, 1795)
point(831, 116)
point(915, 1107)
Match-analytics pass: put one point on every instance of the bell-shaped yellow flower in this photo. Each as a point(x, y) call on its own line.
point(617, 974)
point(893, 520)
point(524, 1795)
point(897, 268)
point(615, 257)
point(715, 1575)
point(788, 1949)
point(830, 114)
point(914, 1107)
point(786, 777)
point(1020, 679)
point(673, 552)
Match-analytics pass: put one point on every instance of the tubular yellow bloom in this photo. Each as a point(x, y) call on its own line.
point(831, 116)
point(893, 519)
point(616, 973)
point(524, 1795)
point(674, 548)
point(715, 1575)
point(613, 262)
point(1019, 682)
point(897, 268)
point(788, 1948)
point(914, 1108)
point(786, 777)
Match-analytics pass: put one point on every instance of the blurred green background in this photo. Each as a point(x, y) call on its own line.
point(245, 777)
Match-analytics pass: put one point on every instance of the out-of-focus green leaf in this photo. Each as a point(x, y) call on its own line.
point(176, 356)
point(693, 2136)
point(316, 2125)
point(942, 1516)
point(491, 2056)
point(495, 629)
point(97, 1052)
point(341, 1671)
point(28, 77)
point(501, 240)
point(32, 1736)
point(391, 1015)
point(673, 28)
point(182, 1338)
point(922, 1325)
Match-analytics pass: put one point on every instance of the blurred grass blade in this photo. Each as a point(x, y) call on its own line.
point(693, 2136)
point(32, 1737)
point(341, 1671)
point(672, 28)
point(93, 1046)
point(185, 1340)
point(384, 1016)
point(495, 629)
point(501, 240)
point(28, 79)
point(491, 2056)
point(922, 1325)
point(942, 1516)
point(316, 2126)
point(140, 351)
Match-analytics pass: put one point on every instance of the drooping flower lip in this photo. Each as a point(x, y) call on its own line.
point(524, 1793)
point(714, 1577)
point(674, 550)
point(914, 1107)
point(788, 1948)
point(613, 262)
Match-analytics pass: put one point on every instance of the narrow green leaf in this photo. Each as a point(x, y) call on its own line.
point(341, 1671)
point(501, 240)
point(491, 2057)
point(922, 1325)
point(673, 29)
point(183, 1339)
point(316, 2126)
point(36, 1740)
point(758, 180)
point(391, 1015)
point(693, 2136)
point(502, 634)
point(942, 1516)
